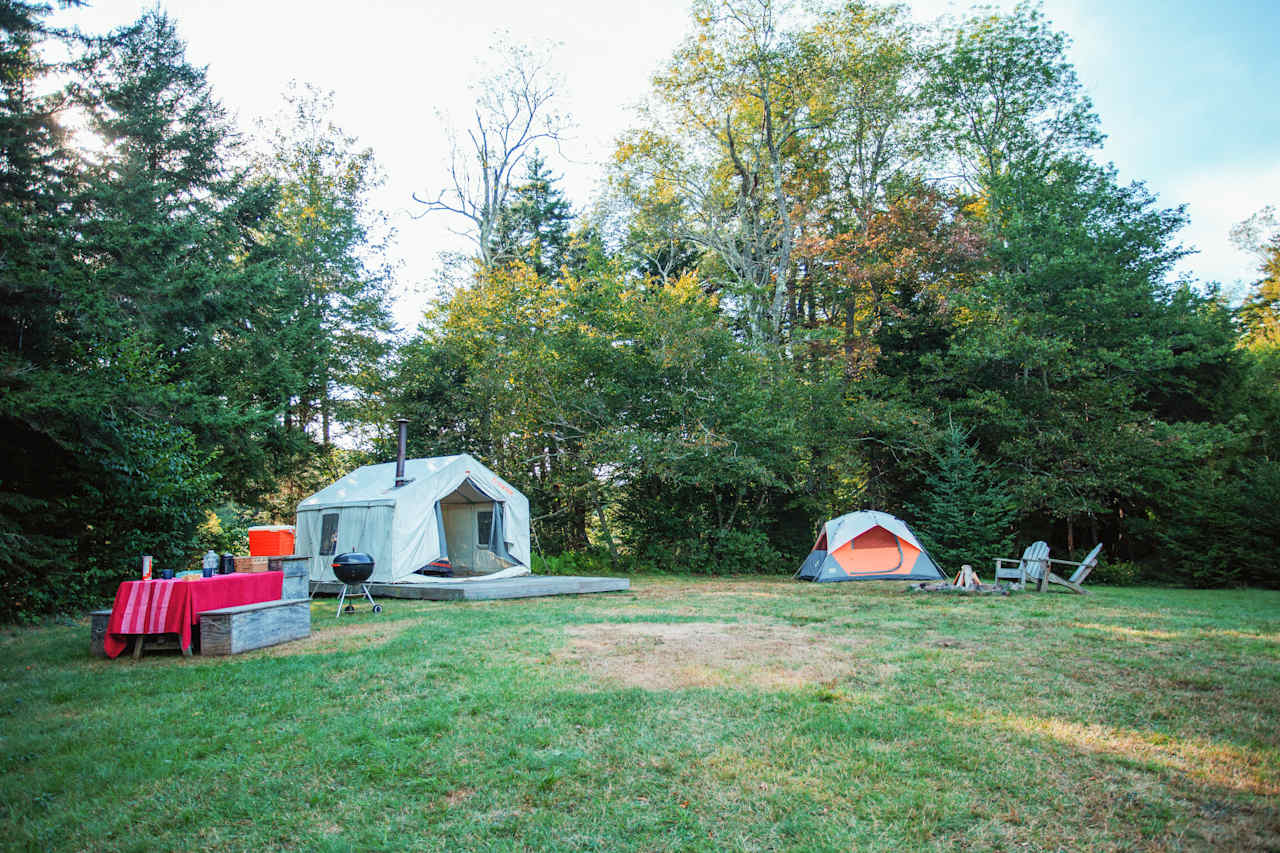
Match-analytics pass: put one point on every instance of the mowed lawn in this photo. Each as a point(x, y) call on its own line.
point(687, 714)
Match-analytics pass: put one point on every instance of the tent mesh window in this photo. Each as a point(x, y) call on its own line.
point(329, 533)
point(484, 528)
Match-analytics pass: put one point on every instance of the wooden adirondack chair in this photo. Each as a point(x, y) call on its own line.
point(1083, 568)
point(1034, 564)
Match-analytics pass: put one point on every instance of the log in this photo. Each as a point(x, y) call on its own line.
point(231, 630)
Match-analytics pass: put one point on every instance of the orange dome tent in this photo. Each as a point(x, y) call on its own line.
point(868, 545)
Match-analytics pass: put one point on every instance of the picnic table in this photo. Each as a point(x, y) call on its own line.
point(155, 607)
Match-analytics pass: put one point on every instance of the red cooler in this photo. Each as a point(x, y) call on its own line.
point(274, 540)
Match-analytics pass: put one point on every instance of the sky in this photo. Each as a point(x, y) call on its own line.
point(1185, 91)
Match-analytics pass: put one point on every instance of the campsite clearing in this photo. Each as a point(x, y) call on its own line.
point(684, 714)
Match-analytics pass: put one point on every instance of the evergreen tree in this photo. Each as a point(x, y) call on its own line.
point(534, 227)
point(95, 470)
point(967, 512)
point(1075, 345)
point(154, 231)
point(39, 173)
point(36, 174)
point(330, 244)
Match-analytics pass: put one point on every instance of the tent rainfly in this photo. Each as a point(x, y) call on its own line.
point(451, 519)
point(868, 545)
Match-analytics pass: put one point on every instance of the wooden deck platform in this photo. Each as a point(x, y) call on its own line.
point(528, 586)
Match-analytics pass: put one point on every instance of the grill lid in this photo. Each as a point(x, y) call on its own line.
point(353, 567)
point(353, 558)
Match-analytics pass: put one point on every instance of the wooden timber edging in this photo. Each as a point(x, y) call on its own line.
point(526, 586)
point(231, 630)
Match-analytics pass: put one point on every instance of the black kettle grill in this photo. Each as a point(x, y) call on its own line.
point(352, 569)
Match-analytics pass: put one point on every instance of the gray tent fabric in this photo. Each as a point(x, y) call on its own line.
point(497, 543)
point(404, 529)
point(444, 542)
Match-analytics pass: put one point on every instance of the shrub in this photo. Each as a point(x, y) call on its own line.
point(592, 561)
point(1116, 573)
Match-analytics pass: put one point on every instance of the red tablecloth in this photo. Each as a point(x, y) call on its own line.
point(164, 607)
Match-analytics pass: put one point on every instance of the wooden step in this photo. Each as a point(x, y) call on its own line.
point(231, 630)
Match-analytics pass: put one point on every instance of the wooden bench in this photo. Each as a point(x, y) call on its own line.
point(231, 630)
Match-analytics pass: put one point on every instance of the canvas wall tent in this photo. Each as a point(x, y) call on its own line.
point(453, 516)
point(868, 545)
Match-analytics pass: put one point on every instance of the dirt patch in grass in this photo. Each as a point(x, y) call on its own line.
point(672, 656)
point(458, 796)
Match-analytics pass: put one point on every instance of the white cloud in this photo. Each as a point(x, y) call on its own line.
point(1216, 200)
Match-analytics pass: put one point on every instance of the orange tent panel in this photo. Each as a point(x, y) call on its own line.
point(877, 551)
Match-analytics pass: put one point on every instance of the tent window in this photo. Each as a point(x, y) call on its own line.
point(329, 533)
point(484, 528)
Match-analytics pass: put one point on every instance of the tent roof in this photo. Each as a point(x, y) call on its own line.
point(846, 527)
point(375, 484)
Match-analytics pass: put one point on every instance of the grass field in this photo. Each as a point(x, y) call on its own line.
point(685, 715)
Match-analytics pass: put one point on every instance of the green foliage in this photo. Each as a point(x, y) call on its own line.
point(225, 530)
point(619, 392)
point(99, 466)
point(591, 561)
point(534, 225)
point(967, 512)
point(1004, 97)
point(1116, 573)
point(109, 482)
point(165, 315)
point(829, 234)
point(1219, 528)
point(329, 324)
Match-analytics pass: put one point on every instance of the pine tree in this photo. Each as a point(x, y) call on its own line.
point(155, 199)
point(534, 227)
point(967, 513)
point(36, 168)
point(36, 172)
point(330, 244)
point(94, 468)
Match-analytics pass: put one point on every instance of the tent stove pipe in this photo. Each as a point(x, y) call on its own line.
point(404, 432)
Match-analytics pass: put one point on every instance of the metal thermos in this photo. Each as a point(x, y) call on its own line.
point(228, 565)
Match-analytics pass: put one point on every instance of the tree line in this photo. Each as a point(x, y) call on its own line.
point(842, 260)
point(187, 310)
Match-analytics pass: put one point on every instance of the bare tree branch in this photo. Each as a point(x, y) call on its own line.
point(513, 113)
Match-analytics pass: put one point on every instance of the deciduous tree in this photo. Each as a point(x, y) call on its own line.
point(514, 112)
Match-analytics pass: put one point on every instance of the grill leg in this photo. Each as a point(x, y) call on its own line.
point(341, 598)
point(364, 587)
